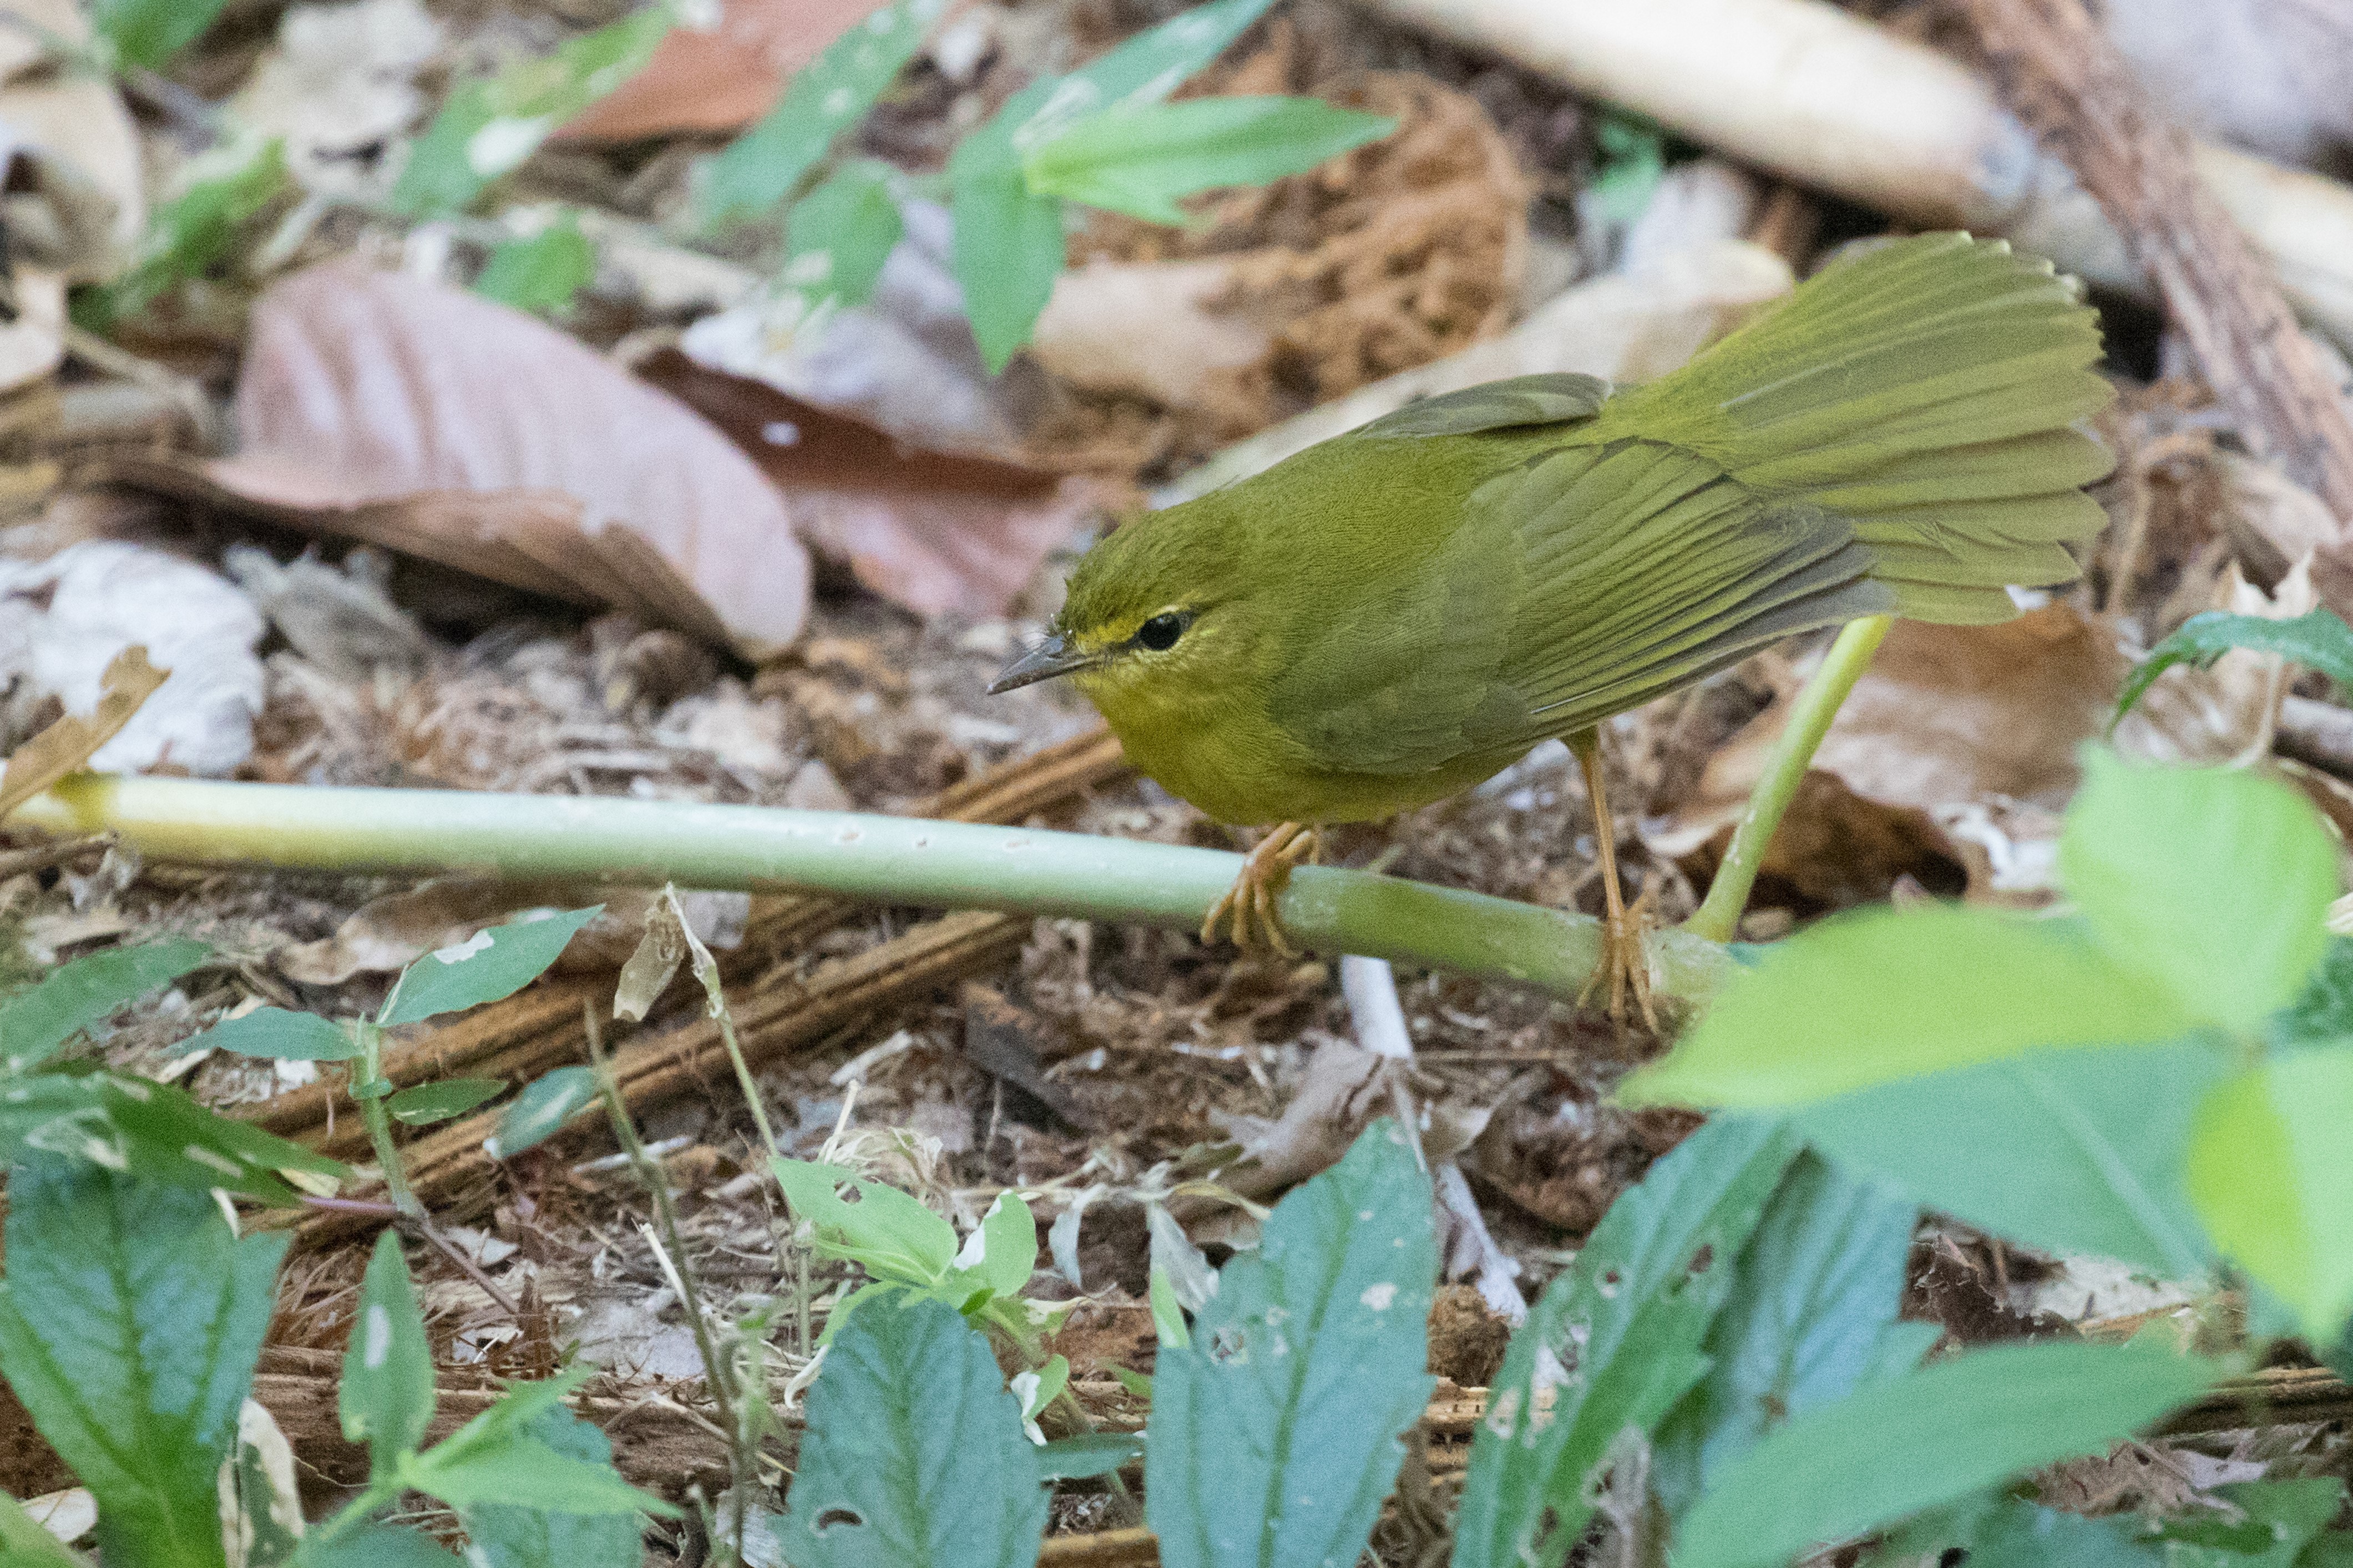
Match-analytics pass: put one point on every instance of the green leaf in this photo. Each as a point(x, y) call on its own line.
point(1276, 1431)
point(1006, 250)
point(1820, 1014)
point(2213, 881)
point(833, 92)
point(913, 1451)
point(275, 1032)
point(2323, 1011)
point(377, 1546)
point(1614, 1343)
point(1146, 68)
point(149, 32)
point(226, 189)
point(490, 964)
point(1139, 159)
point(540, 271)
point(513, 1535)
point(423, 1104)
point(1089, 1455)
point(387, 1397)
point(1999, 1532)
point(130, 1321)
point(150, 1130)
point(837, 236)
point(2092, 1145)
point(521, 1466)
point(1002, 1254)
point(36, 1021)
point(1809, 1318)
point(540, 1111)
point(1633, 160)
point(887, 1232)
point(25, 1544)
point(2268, 1172)
point(2316, 640)
point(488, 126)
point(2280, 1519)
point(1918, 1441)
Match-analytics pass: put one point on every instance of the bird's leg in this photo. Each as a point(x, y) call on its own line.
point(1250, 900)
point(1623, 960)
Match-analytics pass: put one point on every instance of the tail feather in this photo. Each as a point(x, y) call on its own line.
point(1932, 391)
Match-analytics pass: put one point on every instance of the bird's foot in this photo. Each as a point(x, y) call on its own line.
point(1247, 906)
point(1625, 961)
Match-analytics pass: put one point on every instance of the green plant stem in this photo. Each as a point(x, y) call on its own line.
point(377, 1118)
point(1718, 916)
point(884, 859)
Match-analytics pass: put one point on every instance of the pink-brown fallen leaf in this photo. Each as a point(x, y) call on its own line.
point(441, 424)
point(929, 531)
point(66, 746)
point(721, 77)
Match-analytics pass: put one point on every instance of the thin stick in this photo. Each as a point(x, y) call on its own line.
point(466, 1265)
point(1718, 917)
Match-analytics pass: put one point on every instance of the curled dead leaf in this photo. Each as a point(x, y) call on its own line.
point(67, 746)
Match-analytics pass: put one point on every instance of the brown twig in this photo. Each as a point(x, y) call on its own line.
point(41, 856)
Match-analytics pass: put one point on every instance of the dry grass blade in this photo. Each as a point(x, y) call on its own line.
point(66, 746)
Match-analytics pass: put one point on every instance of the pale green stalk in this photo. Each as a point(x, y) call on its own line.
point(882, 859)
point(1718, 917)
point(371, 1092)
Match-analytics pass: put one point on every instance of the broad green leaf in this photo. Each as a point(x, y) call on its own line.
point(1614, 1343)
point(36, 1021)
point(2323, 1011)
point(515, 1535)
point(913, 1451)
point(2002, 1531)
point(1006, 250)
point(1089, 1455)
point(387, 1395)
point(1276, 1431)
point(887, 1232)
point(2269, 1174)
point(488, 126)
point(149, 32)
point(542, 1110)
point(377, 1546)
point(25, 1544)
point(540, 271)
point(1139, 159)
point(833, 92)
point(1002, 1253)
point(2092, 1144)
point(2213, 881)
point(1922, 1440)
point(487, 965)
point(2316, 640)
point(130, 1321)
point(425, 1103)
point(1809, 1318)
point(277, 1032)
point(136, 1126)
point(837, 236)
point(225, 189)
point(525, 1467)
point(2277, 1520)
point(1886, 995)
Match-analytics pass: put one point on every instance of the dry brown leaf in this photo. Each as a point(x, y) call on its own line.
point(929, 531)
point(654, 965)
point(67, 745)
point(451, 427)
point(80, 150)
point(721, 77)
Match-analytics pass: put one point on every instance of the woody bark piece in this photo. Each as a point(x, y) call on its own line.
point(539, 1028)
point(451, 1175)
point(2062, 75)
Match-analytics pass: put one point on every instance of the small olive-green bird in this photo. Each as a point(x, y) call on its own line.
point(1394, 615)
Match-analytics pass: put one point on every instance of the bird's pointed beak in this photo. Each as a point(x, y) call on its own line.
point(1049, 659)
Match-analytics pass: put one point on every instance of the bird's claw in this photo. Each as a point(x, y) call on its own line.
point(1247, 906)
point(1625, 961)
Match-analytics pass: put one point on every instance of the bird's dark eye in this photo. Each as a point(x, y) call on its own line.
point(1160, 633)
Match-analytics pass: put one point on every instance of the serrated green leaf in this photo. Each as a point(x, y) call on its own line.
point(2317, 640)
point(1139, 159)
point(837, 236)
point(422, 1104)
point(1276, 1431)
point(2213, 881)
point(489, 965)
point(536, 1114)
point(130, 1321)
point(1915, 1442)
point(887, 1232)
point(140, 1128)
point(2092, 1148)
point(1614, 1343)
point(913, 1451)
point(2267, 1169)
point(511, 1535)
point(36, 1021)
point(25, 1544)
point(387, 1397)
point(1809, 1319)
point(488, 126)
point(149, 32)
point(226, 189)
point(279, 1033)
point(1002, 1254)
point(833, 92)
point(541, 271)
point(1813, 1019)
